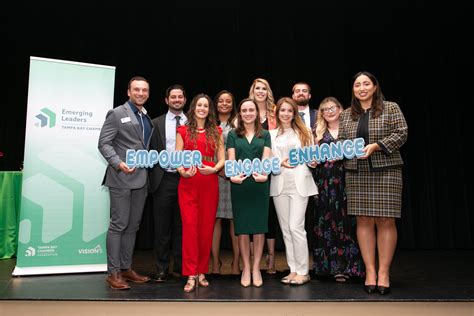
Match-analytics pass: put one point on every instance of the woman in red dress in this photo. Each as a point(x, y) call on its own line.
point(198, 191)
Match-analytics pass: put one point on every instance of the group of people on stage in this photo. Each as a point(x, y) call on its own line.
point(344, 211)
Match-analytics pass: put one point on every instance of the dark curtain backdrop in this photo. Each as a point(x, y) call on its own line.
point(421, 54)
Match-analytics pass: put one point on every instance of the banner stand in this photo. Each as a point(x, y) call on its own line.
point(64, 211)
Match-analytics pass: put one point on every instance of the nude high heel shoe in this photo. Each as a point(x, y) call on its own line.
point(191, 284)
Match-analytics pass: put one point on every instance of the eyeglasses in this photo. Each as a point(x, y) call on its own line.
point(329, 109)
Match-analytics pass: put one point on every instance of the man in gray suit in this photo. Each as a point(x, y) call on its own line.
point(125, 127)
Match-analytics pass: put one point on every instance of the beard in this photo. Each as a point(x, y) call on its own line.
point(302, 102)
point(176, 107)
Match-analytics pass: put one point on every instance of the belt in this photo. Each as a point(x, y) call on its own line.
point(208, 158)
point(172, 173)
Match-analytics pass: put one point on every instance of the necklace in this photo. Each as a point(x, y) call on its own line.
point(249, 136)
point(334, 132)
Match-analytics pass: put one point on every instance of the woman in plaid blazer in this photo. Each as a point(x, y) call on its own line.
point(374, 181)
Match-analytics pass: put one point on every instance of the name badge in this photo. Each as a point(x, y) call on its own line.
point(125, 119)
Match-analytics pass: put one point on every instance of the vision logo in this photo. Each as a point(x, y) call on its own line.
point(45, 116)
point(96, 250)
point(30, 252)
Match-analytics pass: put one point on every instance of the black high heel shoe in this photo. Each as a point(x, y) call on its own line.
point(217, 274)
point(270, 263)
point(232, 267)
point(370, 289)
point(383, 290)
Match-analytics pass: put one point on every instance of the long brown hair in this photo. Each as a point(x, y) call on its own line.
point(240, 129)
point(210, 125)
point(297, 124)
point(377, 99)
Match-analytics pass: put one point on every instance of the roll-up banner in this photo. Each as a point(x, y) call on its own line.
point(64, 208)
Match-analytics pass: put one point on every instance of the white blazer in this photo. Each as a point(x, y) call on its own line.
point(303, 178)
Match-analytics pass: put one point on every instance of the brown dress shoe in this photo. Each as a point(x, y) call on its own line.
point(116, 282)
point(132, 276)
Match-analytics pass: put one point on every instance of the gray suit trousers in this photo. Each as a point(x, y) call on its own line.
point(126, 209)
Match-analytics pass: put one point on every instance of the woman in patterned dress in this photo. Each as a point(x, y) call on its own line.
point(226, 114)
point(336, 251)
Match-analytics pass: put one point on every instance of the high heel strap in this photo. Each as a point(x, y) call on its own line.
point(190, 285)
point(202, 280)
point(270, 268)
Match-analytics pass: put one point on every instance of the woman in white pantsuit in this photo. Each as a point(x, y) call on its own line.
point(291, 188)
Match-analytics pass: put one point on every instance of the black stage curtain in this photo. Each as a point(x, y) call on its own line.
point(420, 53)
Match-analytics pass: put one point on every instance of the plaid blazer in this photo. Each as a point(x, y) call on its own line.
point(389, 130)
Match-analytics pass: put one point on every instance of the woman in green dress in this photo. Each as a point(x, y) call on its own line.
point(249, 194)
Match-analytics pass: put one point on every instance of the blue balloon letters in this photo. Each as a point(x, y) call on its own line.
point(334, 151)
point(167, 159)
point(266, 166)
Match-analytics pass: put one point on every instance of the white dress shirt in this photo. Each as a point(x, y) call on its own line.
point(306, 117)
point(170, 132)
